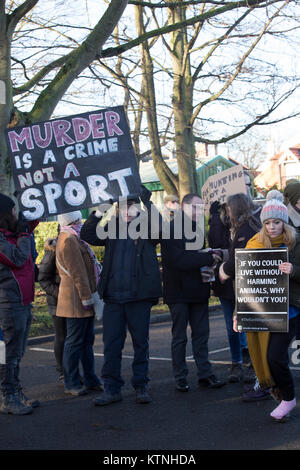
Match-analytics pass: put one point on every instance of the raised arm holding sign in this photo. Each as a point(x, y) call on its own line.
point(221, 185)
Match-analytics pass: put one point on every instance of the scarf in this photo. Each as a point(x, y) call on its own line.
point(75, 230)
point(258, 341)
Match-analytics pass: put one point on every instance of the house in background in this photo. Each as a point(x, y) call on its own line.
point(279, 168)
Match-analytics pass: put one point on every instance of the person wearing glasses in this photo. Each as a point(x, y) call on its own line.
point(171, 206)
point(186, 291)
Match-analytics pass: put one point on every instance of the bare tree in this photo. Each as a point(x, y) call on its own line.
point(221, 80)
point(52, 87)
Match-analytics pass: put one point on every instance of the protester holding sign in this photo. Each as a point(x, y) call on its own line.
point(130, 286)
point(72, 162)
point(79, 273)
point(243, 226)
point(16, 295)
point(269, 351)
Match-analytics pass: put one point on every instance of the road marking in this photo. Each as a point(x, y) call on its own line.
point(218, 350)
point(153, 358)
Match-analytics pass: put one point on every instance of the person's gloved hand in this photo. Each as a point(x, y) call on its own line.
point(22, 224)
point(215, 208)
point(218, 255)
point(145, 195)
point(88, 307)
point(103, 207)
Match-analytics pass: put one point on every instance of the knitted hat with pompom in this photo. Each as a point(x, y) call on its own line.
point(274, 207)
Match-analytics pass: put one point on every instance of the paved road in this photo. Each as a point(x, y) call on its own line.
point(199, 419)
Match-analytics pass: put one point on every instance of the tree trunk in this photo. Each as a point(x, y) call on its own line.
point(166, 177)
point(182, 106)
point(75, 63)
point(6, 102)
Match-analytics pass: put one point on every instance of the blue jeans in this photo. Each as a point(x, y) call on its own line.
point(78, 347)
point(116, 319)
point(237, 341)
point(15, 324)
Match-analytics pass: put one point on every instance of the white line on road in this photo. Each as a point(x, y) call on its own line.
point(153, 358)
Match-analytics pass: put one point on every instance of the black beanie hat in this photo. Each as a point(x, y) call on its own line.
point(292, 192)
point(6, 204)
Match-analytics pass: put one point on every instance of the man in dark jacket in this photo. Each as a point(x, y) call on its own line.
point(130, 284)
point(16, 295)
point(187, 296)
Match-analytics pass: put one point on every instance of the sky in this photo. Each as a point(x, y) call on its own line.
point(288, 59)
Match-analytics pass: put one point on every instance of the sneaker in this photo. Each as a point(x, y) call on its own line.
point(182, 385)
point(142, 395)
point(76, 392)
point(249, 375)
point(96, 388)
point(282, 413)
point(26, 401)
point(256, 394)
point(108, 398)
point(211, 382)
point(60, 377)
point(12, 405)
point(236, 373)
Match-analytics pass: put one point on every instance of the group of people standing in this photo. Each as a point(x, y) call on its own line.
point(129, 282)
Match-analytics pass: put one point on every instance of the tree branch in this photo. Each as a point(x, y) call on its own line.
point(40, 75)
point(238, 68)
point(18, 14)
point(258, 121)
point(77, 61)
point(113, 51)
point(173, 4)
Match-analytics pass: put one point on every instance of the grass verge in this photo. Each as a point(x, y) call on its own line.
point(42, 323)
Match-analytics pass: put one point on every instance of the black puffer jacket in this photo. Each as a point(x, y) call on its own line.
point(49, 278)
point(182, 280)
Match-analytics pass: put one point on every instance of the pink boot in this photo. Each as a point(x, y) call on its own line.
point(283, 409)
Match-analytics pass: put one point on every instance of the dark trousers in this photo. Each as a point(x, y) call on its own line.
point(197, 316)
point(116, 319)
point(78, 347)
point(298, 327)
point(15, 324)
point(278, 360)
point(60, 329)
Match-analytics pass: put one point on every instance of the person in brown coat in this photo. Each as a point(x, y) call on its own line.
point(79, 273)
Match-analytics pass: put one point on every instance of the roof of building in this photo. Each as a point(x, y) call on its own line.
point(149, 175)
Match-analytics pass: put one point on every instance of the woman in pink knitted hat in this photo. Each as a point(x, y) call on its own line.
point(269, 351)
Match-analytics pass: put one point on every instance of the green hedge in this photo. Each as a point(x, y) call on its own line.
point(47, 230)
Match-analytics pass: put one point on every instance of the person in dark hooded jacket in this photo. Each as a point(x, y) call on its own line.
point(16, 296)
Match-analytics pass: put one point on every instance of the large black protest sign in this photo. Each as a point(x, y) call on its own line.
point(261, 290)
point(73, 162)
